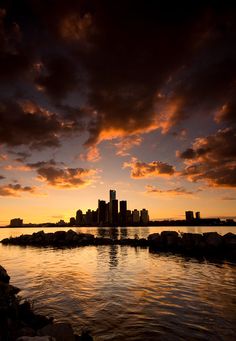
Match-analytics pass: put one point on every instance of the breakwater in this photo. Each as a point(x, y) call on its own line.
point(206, 244)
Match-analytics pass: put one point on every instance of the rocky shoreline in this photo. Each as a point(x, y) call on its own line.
point(18, 321)
point(206, 244)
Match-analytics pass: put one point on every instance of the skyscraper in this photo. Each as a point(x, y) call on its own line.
point(101, 212)
point(112, 194)
point(113, 209)
point(114, 213)
point(135, 215)
point(189, 216)
point(123, 212)
point(79, 218)
point(144, 217)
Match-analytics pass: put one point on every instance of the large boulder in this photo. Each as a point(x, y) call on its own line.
point(154, 239)
point(60, 331)
point(71, 237)
point(38, 238)
point(169, 239)
point(212, 239)
point(4, 275)
point(86, 238)
point(192, 241)
point(229, 240)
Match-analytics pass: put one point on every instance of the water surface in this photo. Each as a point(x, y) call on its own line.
point(126, 293)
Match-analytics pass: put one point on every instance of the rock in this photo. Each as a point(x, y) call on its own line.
point(86, 238)
point(212, 239)
point(61, 331)
point(229, 240)
point(169, 239)
point(192, 241)
point(85, 336)
point(154, 239)
point(4, 275)
point(71, 236)
point(36, 338)
point(26, 331)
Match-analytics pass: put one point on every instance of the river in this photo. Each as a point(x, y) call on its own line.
point(126, 293)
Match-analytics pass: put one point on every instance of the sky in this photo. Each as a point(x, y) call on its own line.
point(136, 96)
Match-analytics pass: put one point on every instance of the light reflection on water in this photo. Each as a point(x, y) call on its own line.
point(127, 293)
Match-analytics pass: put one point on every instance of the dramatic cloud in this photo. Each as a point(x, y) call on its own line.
point(135, 66)
point(92, 155)
point(28, 124)
point(15, 190)
point(125, 144)
point(212, 159)
point(141, 170)
point(56, 175)
point(58, 77)
point(169, 192)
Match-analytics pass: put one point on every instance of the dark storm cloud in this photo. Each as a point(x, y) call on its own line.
point(56, 174)
point(28, 124)
point(141, 169)
point(58, 78)
point(15, 190)
point(136, 65)
point(212, 159)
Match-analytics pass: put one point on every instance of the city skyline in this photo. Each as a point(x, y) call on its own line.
point(128, 95)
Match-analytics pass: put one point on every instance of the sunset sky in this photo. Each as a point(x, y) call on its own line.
point(137, 96)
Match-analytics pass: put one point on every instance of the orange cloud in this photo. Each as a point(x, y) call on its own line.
point(92, 155)
point(125, 144)
point(22, 168)
point(15, 190)
point(140, 170)
point(212, 159)
point(57, 175)
point(178, 191)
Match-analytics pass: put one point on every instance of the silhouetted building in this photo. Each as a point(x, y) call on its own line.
point(79, 218)
point(135, 215)
point(112, 194)
point(129, 218)
point(198, 215)
point(144, 217)
point(113, 209)
point(102, 212)
point(107, 213)
point(123, 210)
point(94, 217)
point(88, 217)
point(189, 216)
point(16, 222)
point(61, 223)
point(114, 213)
point(72, 221)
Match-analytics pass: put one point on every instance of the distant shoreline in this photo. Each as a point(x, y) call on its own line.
point(156, 224)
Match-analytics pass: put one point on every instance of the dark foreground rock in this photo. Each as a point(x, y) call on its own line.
point(18, 322)
point(206, 244)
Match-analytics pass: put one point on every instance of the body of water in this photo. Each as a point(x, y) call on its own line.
point(126, 293)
